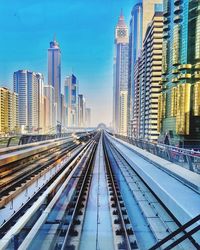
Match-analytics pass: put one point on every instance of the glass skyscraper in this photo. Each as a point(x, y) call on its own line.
point(54, 76)
point(71, 100)
point(179, 103)
point(28, 85)
point(141, 16)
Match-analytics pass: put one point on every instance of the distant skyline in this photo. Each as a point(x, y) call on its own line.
point(85, 32)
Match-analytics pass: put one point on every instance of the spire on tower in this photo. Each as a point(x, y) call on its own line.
point(121, 14)
point(121, 21)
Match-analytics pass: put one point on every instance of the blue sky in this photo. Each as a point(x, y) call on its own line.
point(85, 32)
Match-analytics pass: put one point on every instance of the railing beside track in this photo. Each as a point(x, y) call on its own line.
point(186, 158)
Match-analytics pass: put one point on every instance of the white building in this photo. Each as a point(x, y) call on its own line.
point(49, 109)
point(28, 86)
point(120, 88)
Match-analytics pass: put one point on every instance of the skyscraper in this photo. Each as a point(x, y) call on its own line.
point(40, 83)
point(151, 75)
point(81, 111)
point(120, 88)
point(141, 16)
point(49, 107)
point(71, 100)
point(54, 76)
point(9, 111)
point(63, 112)
point(179, 103)
point(28, 85)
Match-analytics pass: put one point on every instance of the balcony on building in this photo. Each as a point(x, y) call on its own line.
point(185, 66)
point(166, 20)
point(178, 2)
point(165, 27)
point(175, 80)
point(164, 79)
point(197, 66)
point(178, 9)
point(184, 76)
point(165, 35)
point(197, 75)
point(175, 71)
point(178, 19)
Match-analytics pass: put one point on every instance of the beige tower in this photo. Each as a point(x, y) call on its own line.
point(120, 76)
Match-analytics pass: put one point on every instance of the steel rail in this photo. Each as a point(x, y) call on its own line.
point(81, 191)
point(192, 240)
point(121, 218)
point(60, 179)
point(8, 224)
point(15, 182)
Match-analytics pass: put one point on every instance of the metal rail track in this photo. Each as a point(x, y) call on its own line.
point(26, 206)
point(79, 200)
point(8, 224)
point(10, 169)
point(66, 205)
point(118, 154)
point(21, 177)
point(126, 229)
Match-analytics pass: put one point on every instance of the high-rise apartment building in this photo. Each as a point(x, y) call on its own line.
point(135, 121)
point(81, 111)
point(120, 88)
point(8, 111)
point(71, 100)
point(28, 85)
point(54, 76)
point(151, 71)
point(179, 103)
point(141, 16)
point(49, 109)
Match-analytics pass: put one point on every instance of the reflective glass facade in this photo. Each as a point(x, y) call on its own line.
point(180, 118)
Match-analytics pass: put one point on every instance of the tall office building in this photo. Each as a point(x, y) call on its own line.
point(138, 76)
point(120, 88)
point(9, 111)
point(88, 117)
point(63, 112)
point(81, 111)
point(40, 95)
point(49, 109)
point(71, 100)
point(28, 85)
point(151, 71)
point(54, 76)
point(179, 103)
point(141, 16)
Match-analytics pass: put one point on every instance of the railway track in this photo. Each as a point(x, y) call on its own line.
point(17, 175)
point(155, 213)
point(64, 207)
point(19, 172)
point(44, 197)
point(122, 219)
point(95, 196)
